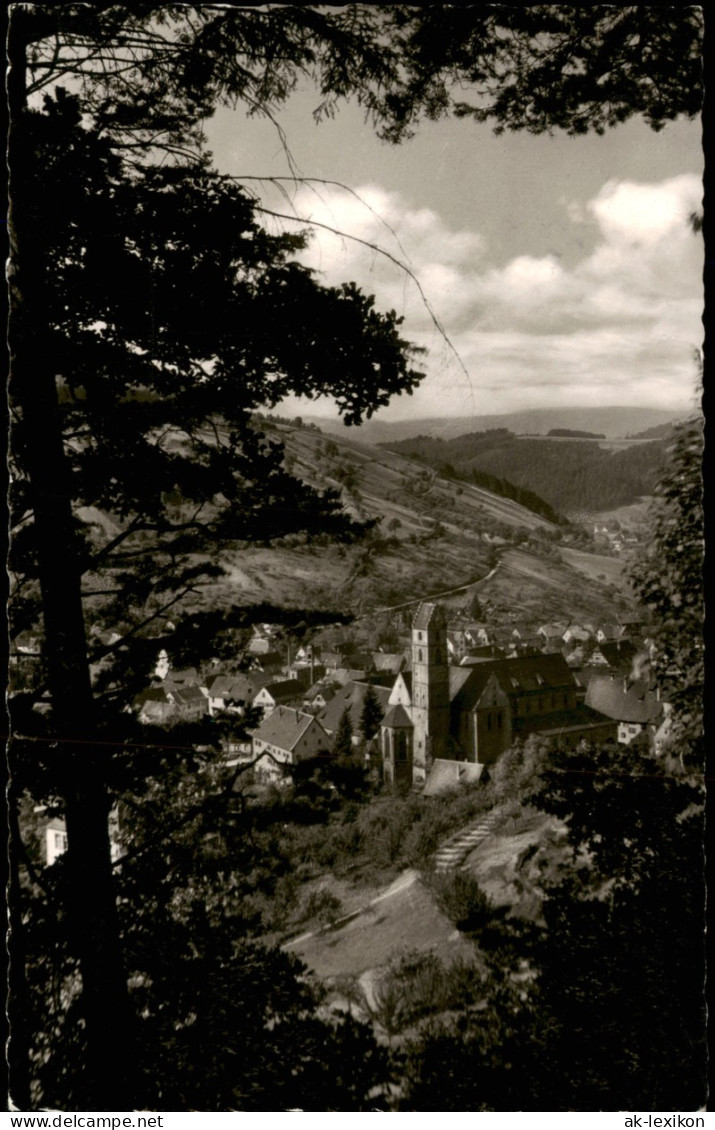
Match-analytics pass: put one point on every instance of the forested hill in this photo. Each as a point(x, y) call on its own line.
point(568, 476)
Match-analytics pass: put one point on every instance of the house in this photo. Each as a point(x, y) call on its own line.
point(391, 662)
point(178, 677)
point(318, 696)
point(553, 634)
point(55, 839)
point(286, 737)
point(158, 705)
point(54, 834)
point(473, 713)
point(229, 692)
point(307, 674)
point(503, 638)
point(153, 706)
point(270, 662)
point(605, 633)
point(190, 701)
point(522, 631)
point(351, 697)
point(344, 675)
point(633, 704)
point(261, 640)
point(619, 654)
point(576, 634)
point(283, 693)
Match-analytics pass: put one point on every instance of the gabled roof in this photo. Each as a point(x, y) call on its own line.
point(480, 654)
point(397, 716)
point(561, 721)
point(457, 678)
point(227, 686)
point(285, 727)
point(189, 675)
point(610, 631)
point(577, 632)
point(516, 676)
point(552, 631)
point(502, 636)
point(150, 694)
point(350, 698)
point(618, 653)
point(388, 661)
point(285, 688)
point(429, 616)
point(327, 690)
point(624, 701)
point(189, 695)
point(446, 775)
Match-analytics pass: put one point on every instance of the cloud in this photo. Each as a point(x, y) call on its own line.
point(619, 326)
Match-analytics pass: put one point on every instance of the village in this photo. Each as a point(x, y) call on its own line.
point(441, 709)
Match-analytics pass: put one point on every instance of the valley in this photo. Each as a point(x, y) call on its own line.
point(432, 535)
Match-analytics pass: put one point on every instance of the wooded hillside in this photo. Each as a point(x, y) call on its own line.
point(567, 476)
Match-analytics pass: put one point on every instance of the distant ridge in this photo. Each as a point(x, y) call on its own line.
point(614, 422)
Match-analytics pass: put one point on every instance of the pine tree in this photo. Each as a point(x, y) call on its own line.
point(370, 715)
point(343, 741)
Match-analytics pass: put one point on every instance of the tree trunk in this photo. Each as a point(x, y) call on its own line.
point(105, 1079)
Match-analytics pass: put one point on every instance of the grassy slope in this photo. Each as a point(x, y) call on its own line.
point(412, 564)
point(412, 559)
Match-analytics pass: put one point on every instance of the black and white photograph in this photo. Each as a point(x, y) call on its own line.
point(355, 756)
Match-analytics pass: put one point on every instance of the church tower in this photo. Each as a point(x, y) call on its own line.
point(430, 687)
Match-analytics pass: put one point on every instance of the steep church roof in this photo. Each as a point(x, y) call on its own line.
point(397, 716)
point(516, 676)
point(429, 616)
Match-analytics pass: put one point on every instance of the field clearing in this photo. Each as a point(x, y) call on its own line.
point(553, 587)
point(608, 444)
point(635, 514)
point(609, 570)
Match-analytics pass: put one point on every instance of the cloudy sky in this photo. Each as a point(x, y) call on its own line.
point(563, 271)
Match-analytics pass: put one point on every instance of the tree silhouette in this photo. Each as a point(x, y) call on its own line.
point(151, 314)
point(370, 715)
point(138, 355)
point(343, 741)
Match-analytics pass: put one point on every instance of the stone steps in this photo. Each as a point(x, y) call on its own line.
point(455, 850)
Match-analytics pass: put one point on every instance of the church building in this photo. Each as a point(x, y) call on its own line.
point(473, 714)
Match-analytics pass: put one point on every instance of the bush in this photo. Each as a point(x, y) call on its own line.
point(459, 896)
point(322, 905)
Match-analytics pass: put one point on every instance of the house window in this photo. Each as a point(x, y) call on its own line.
point(419, 656)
